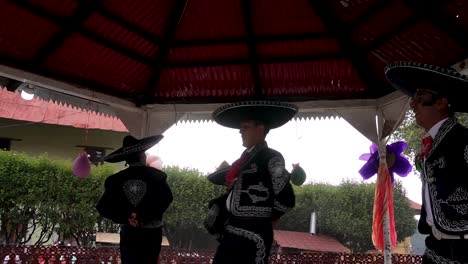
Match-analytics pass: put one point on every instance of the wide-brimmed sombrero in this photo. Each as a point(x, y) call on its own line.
point(130, 146)
point(219, 176)
point(409, 77)
point(273, 114)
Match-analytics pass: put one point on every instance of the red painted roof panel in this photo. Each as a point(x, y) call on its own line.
point(207, 51)
point(298, 48)
point(457, 11)
point(213, 53)
point(89, 60)
point(274, 17)
point(311, 79)
point(422, 42)
point(384, 21)
point(64, 8)
point(309, 242)
point(351, 10)
point(211, 19)
point(12, 106)
point(22, 33)
point(227, 82)
point(121, 36)
point(151, 16)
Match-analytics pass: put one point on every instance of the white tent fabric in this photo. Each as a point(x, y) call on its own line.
point(361, 114)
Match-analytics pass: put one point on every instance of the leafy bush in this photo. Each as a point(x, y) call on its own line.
point(42, 194)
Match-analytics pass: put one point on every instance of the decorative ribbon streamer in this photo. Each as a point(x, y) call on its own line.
point(383, 201)
point(392, 162)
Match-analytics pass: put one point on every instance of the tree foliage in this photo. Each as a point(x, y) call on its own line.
point(40, 196)
point(345, 212)
point(411, 133)
point(39, 193)
point(183, 221)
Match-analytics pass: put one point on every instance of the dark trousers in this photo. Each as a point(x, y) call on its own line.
point(240, 245)
point(140, 245)
point(445, 251)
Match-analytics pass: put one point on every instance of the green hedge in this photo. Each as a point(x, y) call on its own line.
point(43, 191)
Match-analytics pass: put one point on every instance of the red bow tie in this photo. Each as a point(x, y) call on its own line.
point(233, 173)
point(425, 147)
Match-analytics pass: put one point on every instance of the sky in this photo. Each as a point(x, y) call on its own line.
point(327, 149)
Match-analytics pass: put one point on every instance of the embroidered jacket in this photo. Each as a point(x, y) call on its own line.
point(262, 189)
point(446, 172)
point(140, 189)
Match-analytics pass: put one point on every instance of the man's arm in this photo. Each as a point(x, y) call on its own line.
point(108, 205)
point(284, 194)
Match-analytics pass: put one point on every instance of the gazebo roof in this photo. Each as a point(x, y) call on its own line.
point(153, 62)
point(212, 51)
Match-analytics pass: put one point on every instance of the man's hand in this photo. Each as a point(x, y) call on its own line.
point(133, 220)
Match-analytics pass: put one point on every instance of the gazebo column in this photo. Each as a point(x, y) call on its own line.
point(377, 124)
point(146, 122)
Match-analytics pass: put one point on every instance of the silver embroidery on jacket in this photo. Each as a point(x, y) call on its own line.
point(243, 210)
point(134, 191)
point(438, 259)
point(279, 175)
point(257, 239)
point(429, 177)
point(438, 163)
point(459, 201)
point(450, 225)
point(257, 193)
point(444, 129)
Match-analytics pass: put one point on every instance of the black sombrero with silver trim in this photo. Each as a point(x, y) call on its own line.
point(409, 77)
point(273, 114)
point(131, 146)
point(219, 176)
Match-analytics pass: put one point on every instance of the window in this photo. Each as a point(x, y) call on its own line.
point(5, 143)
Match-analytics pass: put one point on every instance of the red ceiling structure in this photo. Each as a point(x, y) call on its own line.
point(212, 51)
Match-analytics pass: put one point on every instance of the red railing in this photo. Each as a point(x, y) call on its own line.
point(109, 255)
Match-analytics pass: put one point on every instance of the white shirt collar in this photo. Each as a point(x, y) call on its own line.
point(434, 129)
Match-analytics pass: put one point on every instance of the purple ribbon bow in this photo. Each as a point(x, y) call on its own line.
point(395, 161)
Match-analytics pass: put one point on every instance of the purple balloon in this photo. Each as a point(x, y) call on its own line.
point(82, 166)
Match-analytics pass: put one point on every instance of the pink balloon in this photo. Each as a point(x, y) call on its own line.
point(150, 159)
point(154, 161)
point(82, 166)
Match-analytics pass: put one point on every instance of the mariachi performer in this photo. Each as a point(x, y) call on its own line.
point(258, 185)
point(136, 198)
point(436, 94)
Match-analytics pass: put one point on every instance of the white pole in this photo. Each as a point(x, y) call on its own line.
point(313, 222)
point(387, 244)
point(383, 158)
